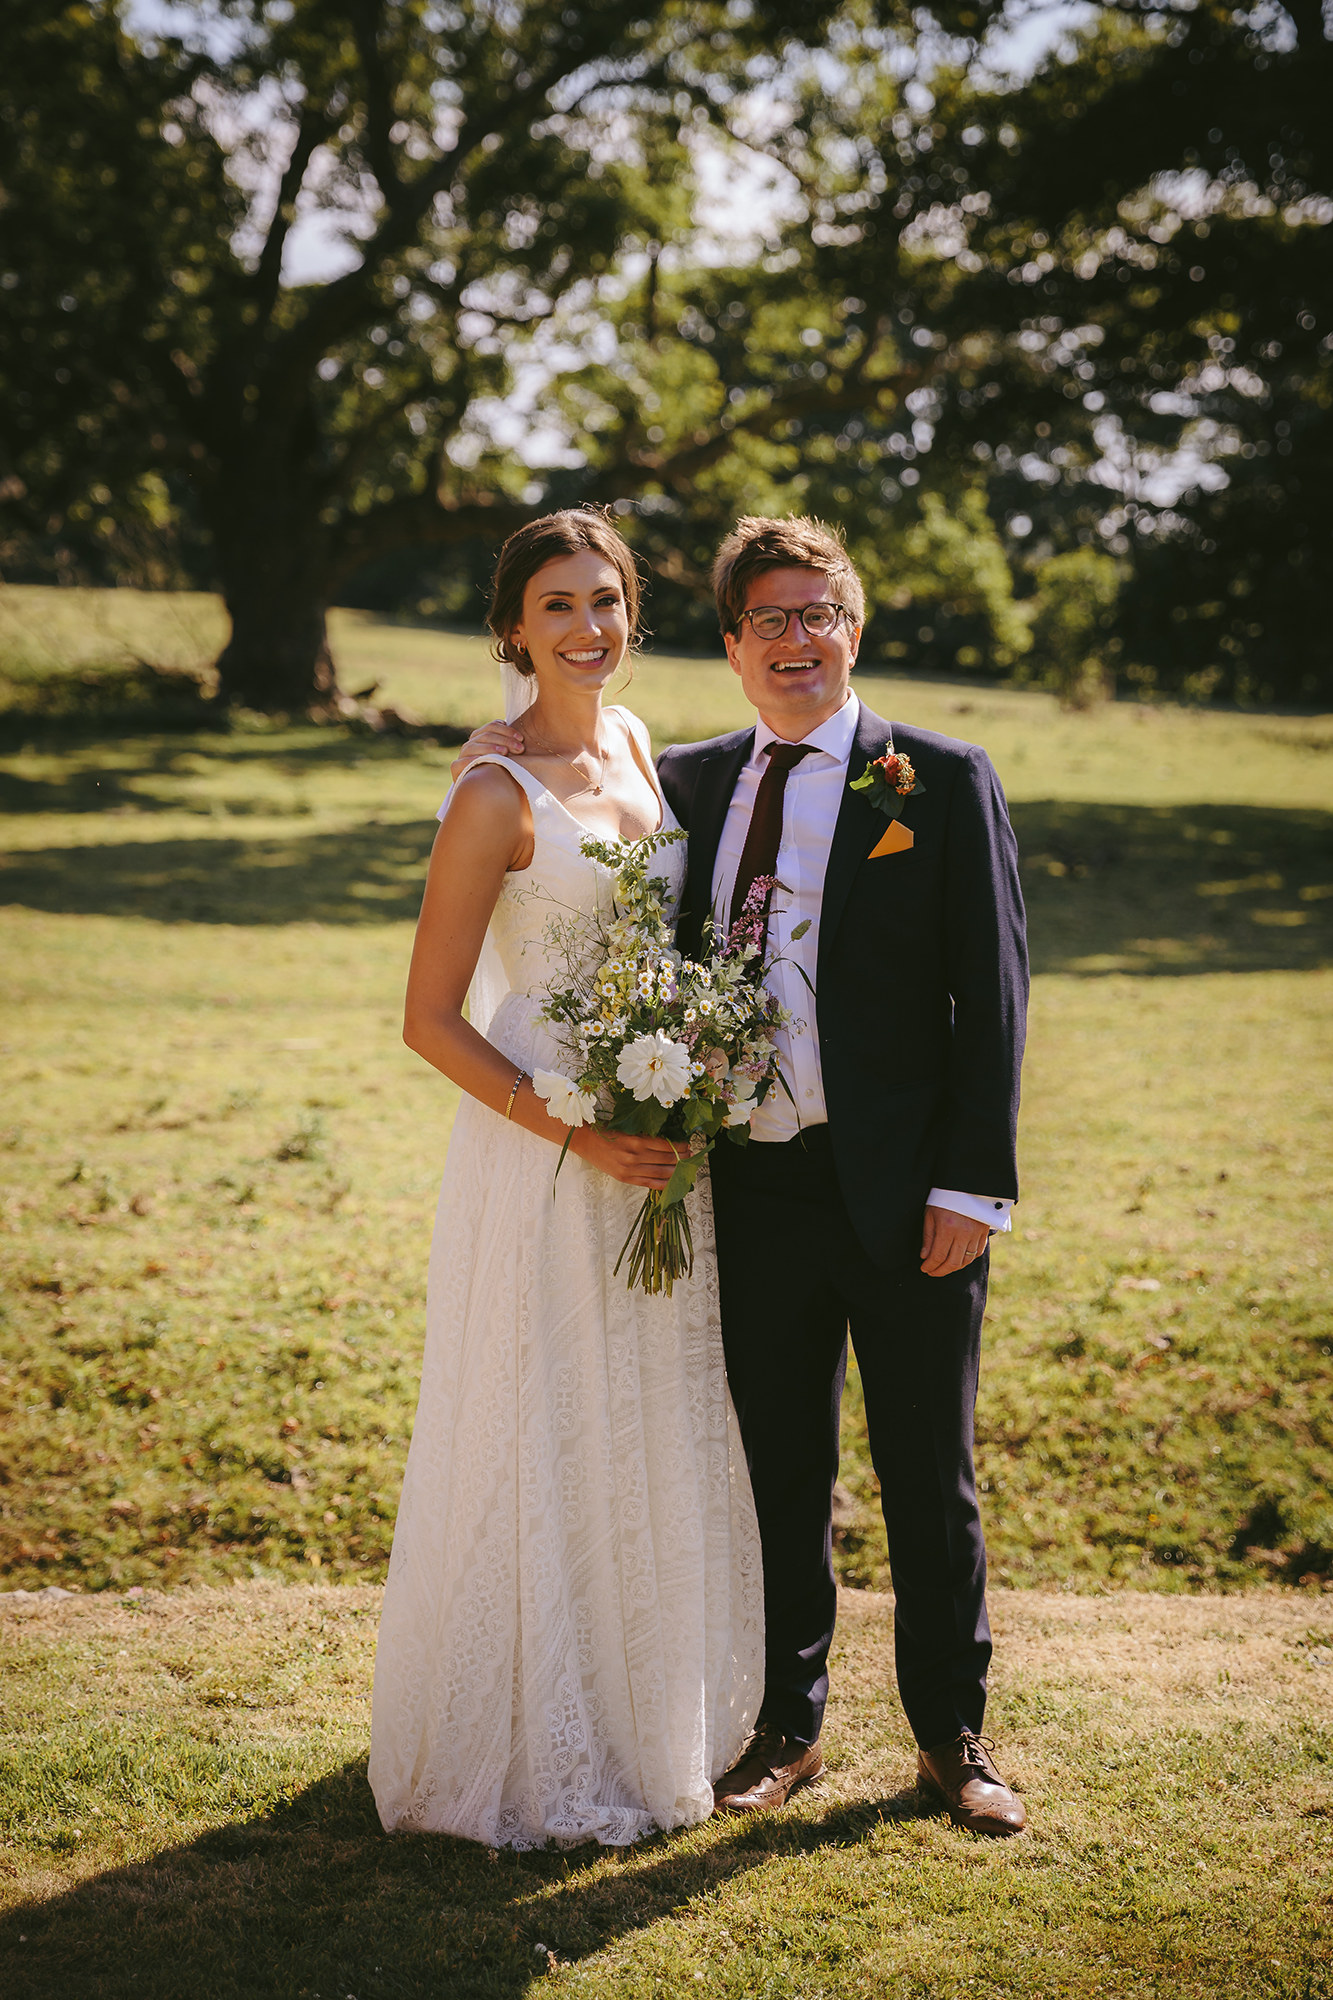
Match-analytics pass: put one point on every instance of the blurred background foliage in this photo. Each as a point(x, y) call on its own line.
point(312, 301)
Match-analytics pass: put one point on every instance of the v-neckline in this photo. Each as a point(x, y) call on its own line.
point(593, 831)
point(648, 773)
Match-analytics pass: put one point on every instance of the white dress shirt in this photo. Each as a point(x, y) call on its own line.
point(810, 812)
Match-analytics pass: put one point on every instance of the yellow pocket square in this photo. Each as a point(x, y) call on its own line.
point(896, 841)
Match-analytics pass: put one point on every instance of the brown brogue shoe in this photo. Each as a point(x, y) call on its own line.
point(963, 1778)
point(772, 1768)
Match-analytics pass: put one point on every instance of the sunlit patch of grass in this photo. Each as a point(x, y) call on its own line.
point(218, 1173)
point(217, 1176)
point(217, 1162)
point(51, 629)
point(1154, 1398)
point(183, 1790)
point(1130, 753)
point(216, 1201)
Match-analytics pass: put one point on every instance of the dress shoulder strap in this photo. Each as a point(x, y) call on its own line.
point(637, 729)
point(643, 744)
point(534, 787)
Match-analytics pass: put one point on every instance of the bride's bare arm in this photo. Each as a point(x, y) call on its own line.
point(487, 830)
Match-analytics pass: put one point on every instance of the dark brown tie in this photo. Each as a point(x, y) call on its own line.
point(759, 856)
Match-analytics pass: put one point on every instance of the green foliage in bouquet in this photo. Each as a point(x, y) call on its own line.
point(676, 1048)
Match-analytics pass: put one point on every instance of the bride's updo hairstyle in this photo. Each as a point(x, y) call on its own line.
point(530, 548)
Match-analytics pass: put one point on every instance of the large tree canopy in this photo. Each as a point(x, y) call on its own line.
point(487, 158)
point(1105, 297)
point(984, 322)
point(1166, 202)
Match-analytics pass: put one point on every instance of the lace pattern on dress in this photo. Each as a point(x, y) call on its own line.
point(571, 1645)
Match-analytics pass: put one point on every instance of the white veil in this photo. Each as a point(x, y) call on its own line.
point(519, 690)
point(489, 982)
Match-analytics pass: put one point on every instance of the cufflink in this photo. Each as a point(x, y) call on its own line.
point(999, 1204)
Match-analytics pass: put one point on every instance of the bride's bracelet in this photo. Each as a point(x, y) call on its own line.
point(522, 1077)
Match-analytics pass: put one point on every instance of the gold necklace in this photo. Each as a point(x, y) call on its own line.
point(596, 789)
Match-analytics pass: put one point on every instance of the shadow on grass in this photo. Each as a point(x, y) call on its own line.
point(117, 771)
point(368, 874)
point(1157, 890)
point(313, 1899)
point(1176, 889)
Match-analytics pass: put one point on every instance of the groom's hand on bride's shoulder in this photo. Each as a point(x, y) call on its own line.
point(949, 1241)
point(491, 739)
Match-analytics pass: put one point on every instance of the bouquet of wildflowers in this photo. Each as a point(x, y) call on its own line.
point(678, 1048)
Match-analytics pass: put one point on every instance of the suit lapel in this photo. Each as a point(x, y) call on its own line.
point(708, 812)
point(857, 828)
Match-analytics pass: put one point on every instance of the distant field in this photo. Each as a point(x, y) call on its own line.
point(218, 1163)
point(1128, 754)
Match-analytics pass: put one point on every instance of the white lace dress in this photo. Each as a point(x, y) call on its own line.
point(571, 1646)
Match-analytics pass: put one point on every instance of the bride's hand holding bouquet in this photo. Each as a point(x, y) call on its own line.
point(658, 1044)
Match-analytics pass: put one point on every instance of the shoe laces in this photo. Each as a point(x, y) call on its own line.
point(766, 1737)
point(769, 1744)
point(974, 1750)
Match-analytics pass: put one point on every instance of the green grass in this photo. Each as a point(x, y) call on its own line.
point(1130, 754)
point(184, 1793)
point(218, 1169)
point(218, 1163)
point(53, 631)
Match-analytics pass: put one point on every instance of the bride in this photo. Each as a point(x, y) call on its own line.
point(571, 1646)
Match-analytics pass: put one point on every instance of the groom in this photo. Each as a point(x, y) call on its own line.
point(865, 1205)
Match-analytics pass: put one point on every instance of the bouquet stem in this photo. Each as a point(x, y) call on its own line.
point(660, 1245)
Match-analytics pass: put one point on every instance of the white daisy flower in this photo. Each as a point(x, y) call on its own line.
point(564, 1100)
point(655, 1066)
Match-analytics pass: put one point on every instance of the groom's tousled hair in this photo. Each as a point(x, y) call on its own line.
point(757, 544)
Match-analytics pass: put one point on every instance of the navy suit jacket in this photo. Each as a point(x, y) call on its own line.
point(922, 973)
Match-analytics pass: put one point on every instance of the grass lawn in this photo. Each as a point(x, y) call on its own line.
point(185, 1788)
point(218, 1162)
point(218, 1168)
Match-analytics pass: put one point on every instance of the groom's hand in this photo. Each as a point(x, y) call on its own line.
point(489, 739)
point(950, 1241)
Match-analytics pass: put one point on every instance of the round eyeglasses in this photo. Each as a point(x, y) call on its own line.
point(770, 621)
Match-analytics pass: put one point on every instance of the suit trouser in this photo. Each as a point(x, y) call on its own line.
point(794, 1280)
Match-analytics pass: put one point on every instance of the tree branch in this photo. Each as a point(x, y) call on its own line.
point(424, 519)
point(366, 17)
point(336, 308)
point(1308, 19)
point(450, 296)
point(673, 567)
point(678, 470)
point(267, 277)
point(362, 441)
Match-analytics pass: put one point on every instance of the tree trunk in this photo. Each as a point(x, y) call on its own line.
point(277, 659)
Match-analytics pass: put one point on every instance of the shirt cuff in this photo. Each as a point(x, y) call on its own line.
point(977, 1207)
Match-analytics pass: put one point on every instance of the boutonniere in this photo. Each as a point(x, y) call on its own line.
point(888, 782)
